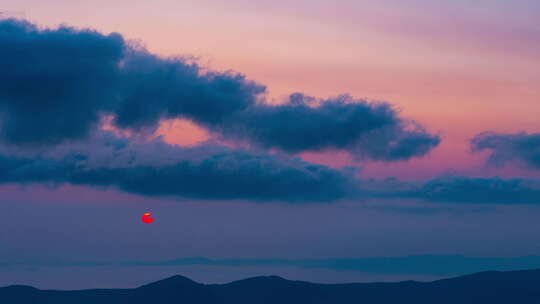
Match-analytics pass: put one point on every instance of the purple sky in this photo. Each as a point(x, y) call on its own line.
point(458, 69)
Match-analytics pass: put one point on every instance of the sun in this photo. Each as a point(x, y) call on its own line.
point(146, 218)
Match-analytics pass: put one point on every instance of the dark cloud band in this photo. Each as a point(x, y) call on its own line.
point(211, 172)
point(157, 169)
point(55, 84)
point(458, 189)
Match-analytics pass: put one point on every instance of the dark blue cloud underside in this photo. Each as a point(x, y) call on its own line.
point(55, 85)
point(457, 189)
point(481, 190)
point(156, 88)
point(220, 174)
point(369, 130)
point(504, 148)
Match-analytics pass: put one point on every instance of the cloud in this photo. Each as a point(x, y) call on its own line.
point(212, 172)
point(157, 169)
point(456, 189)
point(56, 84)
point(155, 88)
point(523, 148)
point(481, 190)
point(369, 130)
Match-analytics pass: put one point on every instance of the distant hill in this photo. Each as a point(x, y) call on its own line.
point(492, 287)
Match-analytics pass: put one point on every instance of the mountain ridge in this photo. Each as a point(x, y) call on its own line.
point(521, 286)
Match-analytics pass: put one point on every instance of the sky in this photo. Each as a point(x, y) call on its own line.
point(264, 131)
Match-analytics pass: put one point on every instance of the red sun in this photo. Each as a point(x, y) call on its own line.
point(146, 218)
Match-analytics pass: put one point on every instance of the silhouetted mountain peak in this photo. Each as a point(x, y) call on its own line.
point(176, 281)
point(20, 287)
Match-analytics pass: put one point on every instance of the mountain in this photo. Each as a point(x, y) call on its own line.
point(493, 287)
